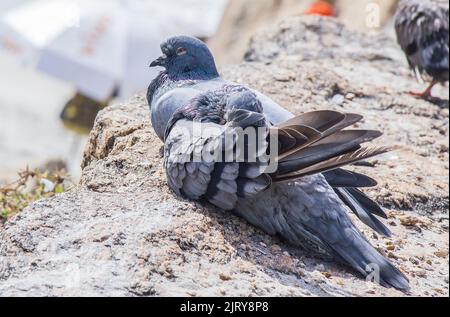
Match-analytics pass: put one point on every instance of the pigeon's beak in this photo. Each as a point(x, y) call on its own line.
point(161, 61)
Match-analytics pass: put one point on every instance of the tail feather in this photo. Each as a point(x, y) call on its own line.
point(345, 184)
point(367, 203)
point(358, 253)
point(326, 149)
point(299, 137)
point(316, 142)
point(342, 178)
point(365, 214)
point(324, 223)
point(326, 122)
point(336, 162)
point(336, 144)
point(315, 125)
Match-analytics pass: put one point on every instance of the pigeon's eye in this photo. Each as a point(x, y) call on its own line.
point(181, 51)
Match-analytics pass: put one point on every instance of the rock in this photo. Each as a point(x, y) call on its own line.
point(121, 232)
point(350, 96)
point(225, 277)
point(242, 18)
point(427, 267)
point(338, 99)
point(320, 268)
point(441, 254)
point(420, 273)
point(327, 274)
point(392, 256)
point(414, 261)
point(410, 221)
point(390, 247)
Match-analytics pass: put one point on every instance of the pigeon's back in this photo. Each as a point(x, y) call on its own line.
point(168, 98)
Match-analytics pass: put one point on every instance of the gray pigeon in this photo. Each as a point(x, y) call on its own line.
point(422, 32)
point(303, 196)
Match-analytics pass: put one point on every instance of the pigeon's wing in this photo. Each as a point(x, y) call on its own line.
point(191, 166)
point(422, 29)
point(198, 165)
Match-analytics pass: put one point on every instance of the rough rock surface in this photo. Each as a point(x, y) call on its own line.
point(122, 232)
point(242, 18)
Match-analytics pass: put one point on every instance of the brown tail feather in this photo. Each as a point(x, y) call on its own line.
point(315, 126)
point(302, 136)
point(316, 119)
point(316, 142)
point(326, 122)
point(336, 162)
point(334, 145)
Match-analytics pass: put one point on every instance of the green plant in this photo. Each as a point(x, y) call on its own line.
point(29, 187)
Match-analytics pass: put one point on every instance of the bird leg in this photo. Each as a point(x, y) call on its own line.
point(426, 94)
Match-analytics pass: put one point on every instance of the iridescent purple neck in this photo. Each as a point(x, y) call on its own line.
point(165, 81)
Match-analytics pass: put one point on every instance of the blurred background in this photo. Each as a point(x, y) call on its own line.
point(61, 61)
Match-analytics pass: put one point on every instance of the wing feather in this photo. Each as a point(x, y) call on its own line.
point(331, 164)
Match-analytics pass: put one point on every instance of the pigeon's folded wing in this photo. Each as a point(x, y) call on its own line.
point(197, 166)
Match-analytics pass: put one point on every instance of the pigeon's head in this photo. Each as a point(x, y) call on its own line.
point(184, 55)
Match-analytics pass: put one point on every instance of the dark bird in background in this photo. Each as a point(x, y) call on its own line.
point(422, 32)
point(304, 199)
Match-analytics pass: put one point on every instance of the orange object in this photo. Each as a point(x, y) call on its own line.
point(321, 8)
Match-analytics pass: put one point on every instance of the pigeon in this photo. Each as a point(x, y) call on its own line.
point(422, 32)
point(286, 178)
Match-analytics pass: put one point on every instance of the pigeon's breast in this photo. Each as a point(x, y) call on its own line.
point(165, 106)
